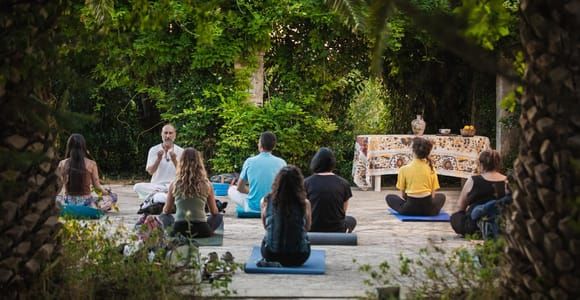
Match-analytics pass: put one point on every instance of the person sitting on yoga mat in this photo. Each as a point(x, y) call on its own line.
point(329, 194)
point(286, 216)
point(258, 172)
point(479, 189)
point(418, 182)
point(77, 172)
point(190, 192)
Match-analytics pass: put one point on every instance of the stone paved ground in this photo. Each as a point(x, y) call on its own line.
point(380, 236)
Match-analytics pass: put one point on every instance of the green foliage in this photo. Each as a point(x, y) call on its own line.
point(174, 61)
point(299, 134)
point(488, 20)
point(367, 111)
point(434, 273)
point(92, 266)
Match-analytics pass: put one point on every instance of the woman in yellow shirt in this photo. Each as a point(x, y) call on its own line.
point(418, 182)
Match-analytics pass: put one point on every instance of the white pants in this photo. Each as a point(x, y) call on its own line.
point(240, 199)
point(144, 189)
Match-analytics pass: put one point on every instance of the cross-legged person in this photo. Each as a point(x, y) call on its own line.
point(418, 183)
point(190, 193)
point(258, 172)
point(286, 216)
point(329, 195)
point(161, 163)
point(479, 190)
point(78, 172)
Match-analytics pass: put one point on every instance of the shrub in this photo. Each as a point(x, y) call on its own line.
point(92, 266)
point(470, 273)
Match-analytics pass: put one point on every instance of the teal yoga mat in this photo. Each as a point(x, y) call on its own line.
point(252, 214)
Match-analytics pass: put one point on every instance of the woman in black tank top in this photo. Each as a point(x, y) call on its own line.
point(479, 189)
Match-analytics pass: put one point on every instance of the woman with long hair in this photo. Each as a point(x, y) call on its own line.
point(286, 216)
point(329, 195)
point(418, 182)
point(190, 193)
point(77, 172)
point(480, 189)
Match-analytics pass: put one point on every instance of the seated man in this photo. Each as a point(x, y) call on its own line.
point(161, 163)
point(259, 172)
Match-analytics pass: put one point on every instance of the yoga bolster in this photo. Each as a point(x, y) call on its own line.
point(332, 238)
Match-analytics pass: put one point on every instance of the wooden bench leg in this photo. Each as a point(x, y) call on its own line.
point(378, 183)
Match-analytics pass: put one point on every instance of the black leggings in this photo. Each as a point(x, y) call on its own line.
point(198, 229)
point(426, 206)
point(285, 259)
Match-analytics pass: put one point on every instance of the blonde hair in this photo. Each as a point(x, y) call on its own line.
point(191, 178)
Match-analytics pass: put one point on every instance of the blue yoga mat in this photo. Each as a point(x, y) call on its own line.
point(441, 217)
point(315, 265)
point(80, 212)
point(253, 214)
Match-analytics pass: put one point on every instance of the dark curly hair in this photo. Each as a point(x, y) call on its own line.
point(422, 148)
point(288, 189)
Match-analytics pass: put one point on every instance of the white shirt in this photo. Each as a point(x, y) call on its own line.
point(166, 170)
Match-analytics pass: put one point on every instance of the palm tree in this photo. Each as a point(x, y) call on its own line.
point(28, 185)
point(543, 226)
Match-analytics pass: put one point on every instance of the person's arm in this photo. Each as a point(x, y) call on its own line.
point(435, 184)
point(173, 156)
point(96, 181)
point(401, 183)
point(264, 206)
point(308, 216)
point(242, 187)
point(212, 205)
point(168, 207)
point(463, 195)
point(345, 205)
point(153, 162)
point(243, 178)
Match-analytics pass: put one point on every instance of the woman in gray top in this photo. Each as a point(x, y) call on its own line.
point(190, 192)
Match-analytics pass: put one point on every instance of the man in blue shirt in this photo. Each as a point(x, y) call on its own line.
point(259, 172)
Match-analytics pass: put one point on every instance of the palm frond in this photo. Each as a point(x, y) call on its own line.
point(355, 12)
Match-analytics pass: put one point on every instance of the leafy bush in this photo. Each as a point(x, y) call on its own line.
point(299, 133)
point(92, 266)
point(368, 112)
point(470, 273)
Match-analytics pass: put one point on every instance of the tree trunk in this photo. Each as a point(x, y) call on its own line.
point(28, 215)
point(543, 237)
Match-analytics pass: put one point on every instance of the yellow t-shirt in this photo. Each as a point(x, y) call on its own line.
point(417, 179)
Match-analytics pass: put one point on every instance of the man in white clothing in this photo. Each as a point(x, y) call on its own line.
point(161, 164)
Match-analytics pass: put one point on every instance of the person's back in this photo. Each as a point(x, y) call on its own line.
point(78, 173)
point(260, 171)
point(285, 233)
point(327, 195)
point(286, 216)
point(485, 190)
point(418, 182)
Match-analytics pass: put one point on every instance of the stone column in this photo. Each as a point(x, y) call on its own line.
point(256, 88)
point(505, 138)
